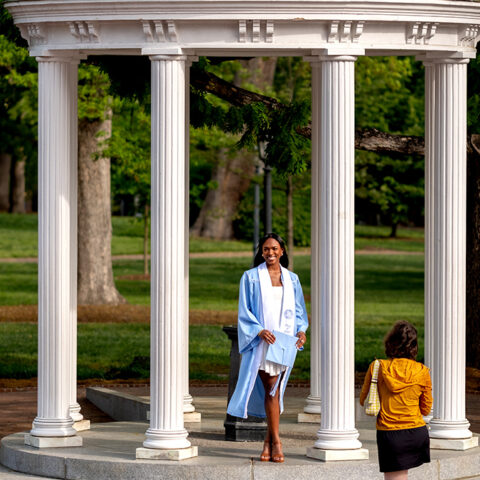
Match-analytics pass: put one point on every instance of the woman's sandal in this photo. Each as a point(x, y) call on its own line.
point(265, 456)
point(277, 457)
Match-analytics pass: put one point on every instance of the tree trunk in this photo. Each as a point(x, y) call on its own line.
point(233, 176)
point(473, 254)
point(290, 230)
point(393, 231)
point(5, 165)
point(18, 188)
point(95, 274)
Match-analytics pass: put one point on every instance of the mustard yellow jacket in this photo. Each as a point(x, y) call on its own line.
point(405, 391)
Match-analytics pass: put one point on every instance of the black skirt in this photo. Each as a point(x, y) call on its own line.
point(403, 449)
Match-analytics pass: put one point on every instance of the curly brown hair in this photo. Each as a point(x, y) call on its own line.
point(401, 341)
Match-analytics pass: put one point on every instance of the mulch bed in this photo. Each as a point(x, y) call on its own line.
point(115, 314)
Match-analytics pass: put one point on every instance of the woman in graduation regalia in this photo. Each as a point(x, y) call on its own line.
point(271, 298)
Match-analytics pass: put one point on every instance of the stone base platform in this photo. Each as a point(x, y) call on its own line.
point(109, 452)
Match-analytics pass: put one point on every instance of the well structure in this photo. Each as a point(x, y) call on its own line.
point(331, 34)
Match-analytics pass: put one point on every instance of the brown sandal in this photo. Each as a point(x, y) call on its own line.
point(265, 456)
point(277, 457)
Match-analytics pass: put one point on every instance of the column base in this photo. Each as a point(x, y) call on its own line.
point(338, 440)
point(188, 406)
point(75, 412)
point(173, 454)
point(53, 442)
point(449, 430)
point(453, 444)
point(337, 455)
point(166, 439)
point(52, 427)
point(192, 417)
point(82, 425)
point(303, 417)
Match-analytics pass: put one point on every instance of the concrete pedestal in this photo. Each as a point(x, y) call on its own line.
point(309, 417)
point(337, 455)
point(82, 425)
point(173, 454)
point(453, 444)
point(53, 442)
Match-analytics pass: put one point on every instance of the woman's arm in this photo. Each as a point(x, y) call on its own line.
point(300, 308)
point(366, 384)
point(248, 325)
point(426, 399)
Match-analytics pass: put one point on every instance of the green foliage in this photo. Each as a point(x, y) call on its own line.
point(390, 187)
point(292, 82)
point(129, 150)
point(256, 123)
point(18, 101)
point(389, 96)
point(94, 100)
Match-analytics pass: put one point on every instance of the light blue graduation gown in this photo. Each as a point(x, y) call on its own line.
point(249, 395)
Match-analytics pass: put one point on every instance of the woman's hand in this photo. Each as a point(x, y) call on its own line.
point(302, 338)
point(267, 335)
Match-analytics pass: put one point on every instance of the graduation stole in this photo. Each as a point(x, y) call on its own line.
point(287, 318)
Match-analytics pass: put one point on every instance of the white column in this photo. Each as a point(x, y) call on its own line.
point(447, 85)
point(188, 407)
point(429, 196)
point(313, 403)
point(80, 423)
point(167, 432)
point(56, 215)
point(333, 181)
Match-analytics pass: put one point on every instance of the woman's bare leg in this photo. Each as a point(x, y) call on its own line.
point(400, 475)
point(272, 409)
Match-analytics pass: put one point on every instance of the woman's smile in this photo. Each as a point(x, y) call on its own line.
point(272, 251)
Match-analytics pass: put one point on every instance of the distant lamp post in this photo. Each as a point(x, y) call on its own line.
point(267, 188)
point(256, 210)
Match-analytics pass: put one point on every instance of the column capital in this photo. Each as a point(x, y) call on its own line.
point(72, 59)
point(316, 60)
point(442, 58)
point(168, 57)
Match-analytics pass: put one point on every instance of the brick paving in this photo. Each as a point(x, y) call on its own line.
point(18, 408)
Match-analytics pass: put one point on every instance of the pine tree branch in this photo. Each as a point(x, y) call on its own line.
point(369, 139)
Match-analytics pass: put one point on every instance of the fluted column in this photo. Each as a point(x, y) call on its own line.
point(313, 403)
point(56, 226)
point(80, 423)
point(188, 407)
point(429, 216)
point(447, 87)
point(167, 430)
point(333, 182)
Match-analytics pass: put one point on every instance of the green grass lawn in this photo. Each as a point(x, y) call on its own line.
point(18, 238)
point(387, 288)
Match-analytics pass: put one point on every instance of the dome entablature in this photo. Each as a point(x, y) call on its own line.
point(242, 28)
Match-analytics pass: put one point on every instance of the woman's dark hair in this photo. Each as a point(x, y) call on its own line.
point(258, 257)
point(401, 341)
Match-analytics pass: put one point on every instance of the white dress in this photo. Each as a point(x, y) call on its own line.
point(273, 369)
